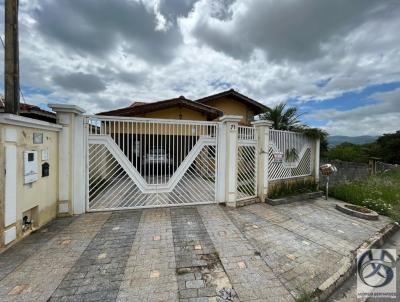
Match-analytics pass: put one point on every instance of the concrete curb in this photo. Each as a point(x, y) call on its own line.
point(289, 199)
point(346, 208)
point(241, 203)
point(349, 263)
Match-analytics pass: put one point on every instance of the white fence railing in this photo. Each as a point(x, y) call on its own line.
point(246, 133)
point(289, 155)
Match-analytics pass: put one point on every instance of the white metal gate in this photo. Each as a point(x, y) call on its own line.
point(137, 163)
point(247, 163)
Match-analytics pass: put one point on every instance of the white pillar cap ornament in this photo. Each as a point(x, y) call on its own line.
point(230, 118)
point(265, 123)
point(66, 108)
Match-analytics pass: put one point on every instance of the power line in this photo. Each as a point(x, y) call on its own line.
point(20, 91)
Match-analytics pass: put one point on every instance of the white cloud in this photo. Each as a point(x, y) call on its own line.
point(383, 116)
point(155, 49)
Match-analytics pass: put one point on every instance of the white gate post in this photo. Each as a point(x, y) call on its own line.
point(8, 219)
point(227, 159)
point(316, 159)
point(262, 136)
point(72, 159)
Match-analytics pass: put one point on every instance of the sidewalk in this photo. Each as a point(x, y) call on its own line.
point(348, 291)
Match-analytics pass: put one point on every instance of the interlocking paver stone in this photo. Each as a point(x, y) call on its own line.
point(304, 243)
point(200, 272)
point(256, 282)
point(50, 262)
point(200, 253)
point(150, 271)
point(17, 254)
point(103, 262)
point(279, 248)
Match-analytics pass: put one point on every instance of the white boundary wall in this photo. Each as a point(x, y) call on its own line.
point(33, 195)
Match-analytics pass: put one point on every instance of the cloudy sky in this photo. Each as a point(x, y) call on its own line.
point(339, 61)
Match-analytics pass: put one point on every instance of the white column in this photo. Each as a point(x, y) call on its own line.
point(262, 136)
point(316, 160)
point(221, 163)
point(227, 157)
point(72, 159)
point(10, 185)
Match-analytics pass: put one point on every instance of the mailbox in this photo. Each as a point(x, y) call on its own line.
point(328, 169)
point(45, 169)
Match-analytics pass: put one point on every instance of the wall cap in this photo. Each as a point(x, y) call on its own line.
point(17, 120)
point(230, 118)
point(66, 108)
point(260, 123)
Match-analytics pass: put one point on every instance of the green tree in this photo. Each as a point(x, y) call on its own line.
point(389, 147)
point(349, 152)
point(315, 133)
point(287, 118)
point(284, 118)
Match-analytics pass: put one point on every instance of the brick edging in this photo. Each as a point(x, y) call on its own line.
point(349, 267)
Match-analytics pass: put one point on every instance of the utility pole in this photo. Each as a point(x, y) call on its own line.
point(11, 58)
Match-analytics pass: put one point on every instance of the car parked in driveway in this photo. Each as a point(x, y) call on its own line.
point(157, 157)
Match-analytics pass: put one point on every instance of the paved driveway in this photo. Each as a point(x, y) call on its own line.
point(203, 253)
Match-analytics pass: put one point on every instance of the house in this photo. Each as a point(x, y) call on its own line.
point(32, 111)
point(178, 108)
point(209, 108)
point(142, 140)
point(231, 102)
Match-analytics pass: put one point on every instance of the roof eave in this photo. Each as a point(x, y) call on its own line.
point(235, 94)
point(210, 112)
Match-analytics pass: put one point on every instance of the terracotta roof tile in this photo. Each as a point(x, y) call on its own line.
point(26, 109)
point(142, 108)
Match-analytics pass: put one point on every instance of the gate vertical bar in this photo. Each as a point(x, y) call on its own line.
point(316, 159)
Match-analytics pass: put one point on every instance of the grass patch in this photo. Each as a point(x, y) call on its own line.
point(380, 193)
point(292, 188)
point(304, 297)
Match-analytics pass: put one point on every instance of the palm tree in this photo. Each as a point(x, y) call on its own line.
point(288, 119)
point(282, 117)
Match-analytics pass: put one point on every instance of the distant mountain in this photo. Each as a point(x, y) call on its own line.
point(334, 140)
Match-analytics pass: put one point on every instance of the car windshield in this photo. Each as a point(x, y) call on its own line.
point(157, 151)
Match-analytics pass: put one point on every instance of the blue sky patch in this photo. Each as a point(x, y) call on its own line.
point(344, 102)
point(29, 90)
point(220, 84)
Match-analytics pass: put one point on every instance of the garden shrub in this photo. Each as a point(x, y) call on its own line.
point(293, 187)
point(380, 193)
